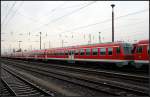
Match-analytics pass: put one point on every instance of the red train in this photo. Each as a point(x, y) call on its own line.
point(118, 53)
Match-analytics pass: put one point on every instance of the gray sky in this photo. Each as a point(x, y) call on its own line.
point(71, 21)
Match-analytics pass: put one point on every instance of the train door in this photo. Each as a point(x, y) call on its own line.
point(71, 56)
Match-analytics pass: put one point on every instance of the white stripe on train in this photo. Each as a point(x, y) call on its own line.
point(97, 60)
point(141, 61)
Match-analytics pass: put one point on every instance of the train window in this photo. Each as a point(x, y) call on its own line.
point(61, 53)
point(110, 50)
point(88, 51)
point(81, 52)
point(69, 52)
point(139, 49)
point(127, 48)
point(95, 51)
point(52, 52)
point(118, 50)
point(66, 52)
point(56, 52)
point(73, 52)
point(102, 51)
point(48, 53)
point(76, 52)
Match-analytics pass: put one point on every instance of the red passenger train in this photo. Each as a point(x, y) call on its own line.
point(118, 53)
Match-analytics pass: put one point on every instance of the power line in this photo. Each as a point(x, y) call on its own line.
point(65, 15)
point(108, 20)
point(13, 14)
point(120, 26)
point(72, 12)
point(29, 18)
point(34, 20)
point(8, 12)
point(54, 9)
point(141, 11)
point(72, 6)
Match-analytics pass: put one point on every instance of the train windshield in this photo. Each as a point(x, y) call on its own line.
point(127, 48)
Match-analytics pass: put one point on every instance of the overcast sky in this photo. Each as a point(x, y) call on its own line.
point(70, 21)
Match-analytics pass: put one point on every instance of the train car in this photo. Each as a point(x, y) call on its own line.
point(141, 53)
point(115, 53)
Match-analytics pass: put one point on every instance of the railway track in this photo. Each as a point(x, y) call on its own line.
point(114, 88)
point(5, 90)
point(18, 86)
point(97, 72)
point(107, 73)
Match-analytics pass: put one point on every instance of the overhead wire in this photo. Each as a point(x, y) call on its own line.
point(54, 20)
point(30, 18)
point(72, 12)
point(37, 21)
point(8, 12)
point(6, 9)
point(17, 8)
point(107, 20)
point(54, 9)
point(59, 7)
point(78, 5)
point(115, 18)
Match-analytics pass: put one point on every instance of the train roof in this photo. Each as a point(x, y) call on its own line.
point(143, 42)
point(89, 45)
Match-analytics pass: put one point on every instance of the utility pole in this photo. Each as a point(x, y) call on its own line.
point(99, 37)
point(63, 43)
point(29, 36)
point(112, 5)
point(40, 40)
point(19, 44)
